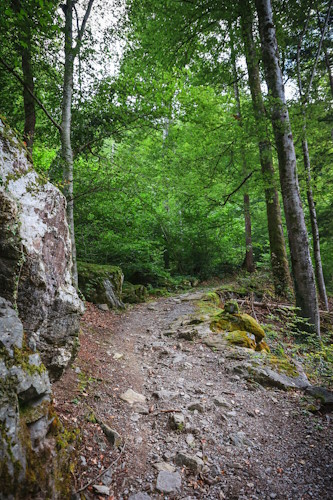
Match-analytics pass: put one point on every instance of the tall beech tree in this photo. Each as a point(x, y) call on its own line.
point(279, 261)
point(305, 288)
point(248, 263)
point(24, 47)
point(304, 94)
point(72, 47)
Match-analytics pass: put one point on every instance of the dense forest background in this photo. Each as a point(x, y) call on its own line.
point(141, 111)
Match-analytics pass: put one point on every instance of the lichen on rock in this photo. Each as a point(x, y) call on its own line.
point(29, 462)
point(35, 256)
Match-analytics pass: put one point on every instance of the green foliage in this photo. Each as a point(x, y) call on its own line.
point(289, 338)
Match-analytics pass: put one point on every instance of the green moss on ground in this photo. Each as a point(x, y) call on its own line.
point(241, 339)
point(232, 322)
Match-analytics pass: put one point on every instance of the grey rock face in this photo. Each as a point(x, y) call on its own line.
point(268, 377)
point(324, 395)
point(24, 383)
point(30, 385)
point(101, 284)
point(35, 257)
point(11, 330)
point(111, 295)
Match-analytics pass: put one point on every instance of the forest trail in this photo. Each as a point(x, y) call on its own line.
point(235, 440)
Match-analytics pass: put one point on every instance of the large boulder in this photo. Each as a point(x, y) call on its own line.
point(134, 294)
point(30, 462)
point(101, 284)
point(35, 257)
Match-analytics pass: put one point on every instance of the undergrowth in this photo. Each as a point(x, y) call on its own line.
point(289, 337)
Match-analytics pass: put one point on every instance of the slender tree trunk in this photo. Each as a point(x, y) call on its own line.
point(65, 134)
point(314, 225)
point(327, 61)
point(28, 81)
point(304, 98)
point(279, 261)
point(29, 103)
point(248, 263)
point(329, 69)
point(305, 289)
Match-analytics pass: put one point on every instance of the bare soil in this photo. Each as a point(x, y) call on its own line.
point(285, 452)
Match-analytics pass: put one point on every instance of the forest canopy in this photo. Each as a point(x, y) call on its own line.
point(164, 124)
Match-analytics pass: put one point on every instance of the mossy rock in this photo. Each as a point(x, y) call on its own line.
point(211, 297)
point(159, 292)
point(231, 307)
point(101, 284)
point(241, 339)
point(232, 290)
point(282, 365)
point(134, 294)
point(232, 322)
point(263, 347)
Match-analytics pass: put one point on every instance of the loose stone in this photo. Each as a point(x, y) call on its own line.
point(168, 482)
point(132, 397)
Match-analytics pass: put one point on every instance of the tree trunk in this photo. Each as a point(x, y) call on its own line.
point(29, 103)
point(305, 289)
point(65, 135)
point(329, 69)
point(248, 263)
point(28, 80)
point(314, 225)
point(279, 261)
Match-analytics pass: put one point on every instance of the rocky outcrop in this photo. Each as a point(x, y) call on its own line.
point(101, 284)
point(29, 429)
point(35, 257)
point(134, 294)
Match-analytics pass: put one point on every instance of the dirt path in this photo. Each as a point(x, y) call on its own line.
point(227, 439)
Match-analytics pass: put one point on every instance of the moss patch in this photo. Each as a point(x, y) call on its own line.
point(211, 297)
point(232, 322)
point(281, 365)
point(241, 339)
point(263, 347)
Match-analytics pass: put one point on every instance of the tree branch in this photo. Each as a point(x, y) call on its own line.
point(35, 98)
point(84, 23)
point(298, 56)
point(237, 189)
point(306, 95)
point(228, 196)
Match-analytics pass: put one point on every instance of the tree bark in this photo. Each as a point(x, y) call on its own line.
point(29, 102)
point(304, 98)
point(279, 261)
point(65, 133)
point(28, 82)
point(248, 263)
point(314, 225)
point(305, 289)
